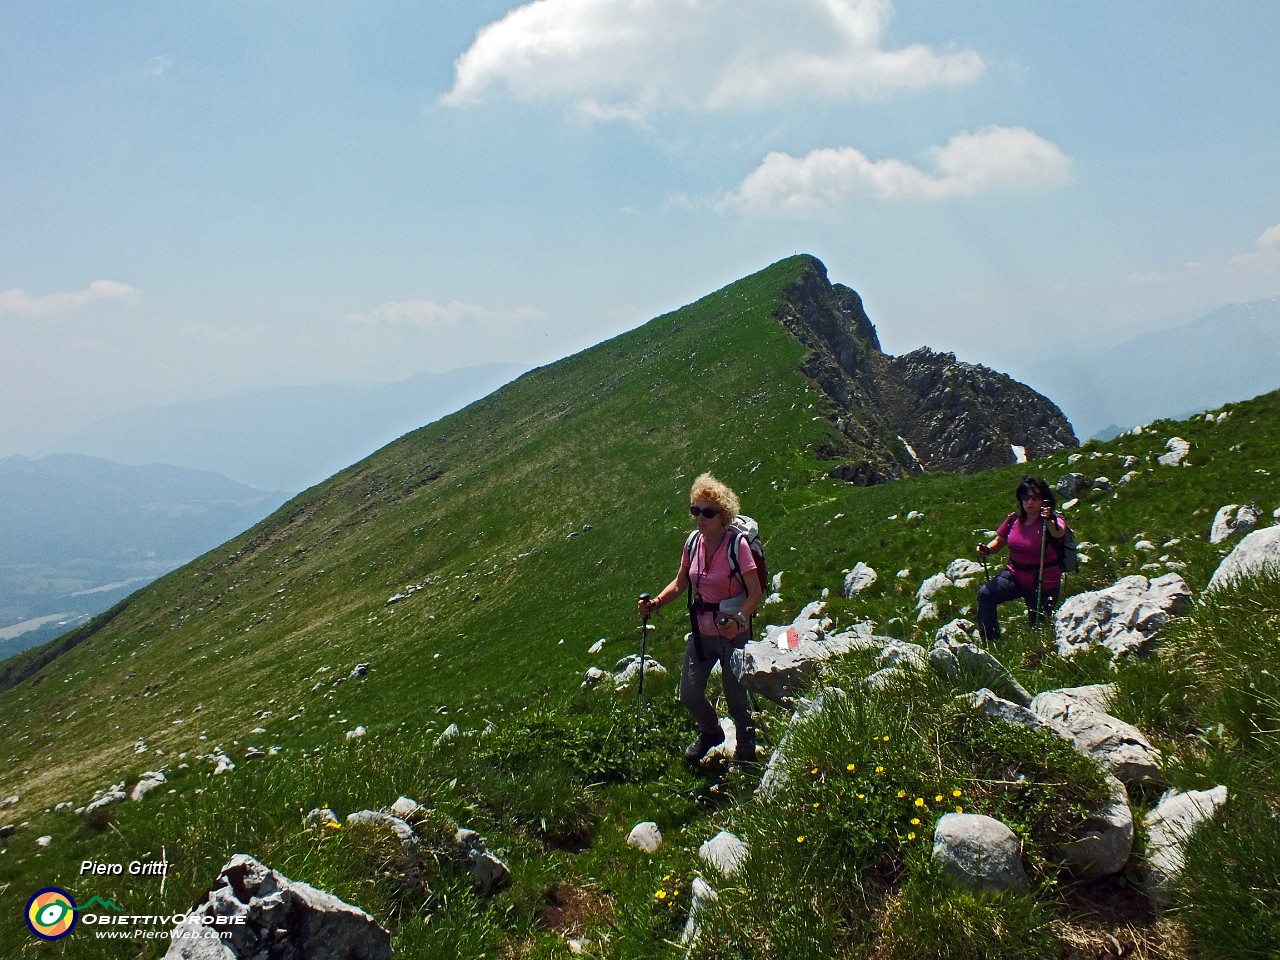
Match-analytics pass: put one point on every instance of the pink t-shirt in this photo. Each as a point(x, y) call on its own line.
point(1023, 538)
point(712, 579)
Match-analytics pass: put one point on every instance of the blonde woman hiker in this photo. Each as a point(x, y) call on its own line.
point(723, 595)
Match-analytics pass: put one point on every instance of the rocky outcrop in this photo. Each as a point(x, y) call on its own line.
point(1256, 554)
point(268, 915)
point(1125, 617)
point(918, 412)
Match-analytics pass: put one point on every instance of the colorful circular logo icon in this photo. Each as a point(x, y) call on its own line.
point(51, 914)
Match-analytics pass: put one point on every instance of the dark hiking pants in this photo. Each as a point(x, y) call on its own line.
point(695, 673)
point(1003, 588)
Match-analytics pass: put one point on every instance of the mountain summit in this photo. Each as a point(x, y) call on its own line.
point(919, 412)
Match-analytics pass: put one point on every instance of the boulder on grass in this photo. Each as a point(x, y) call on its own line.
point(270, 916)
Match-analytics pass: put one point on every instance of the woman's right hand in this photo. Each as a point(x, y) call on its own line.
point(646, 607)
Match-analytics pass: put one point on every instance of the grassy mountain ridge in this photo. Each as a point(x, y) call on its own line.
point(470, 509)
point(533, 517)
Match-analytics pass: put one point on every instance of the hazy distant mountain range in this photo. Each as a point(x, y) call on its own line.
point(1229, 354)
point(81, 533)
point(284, 438)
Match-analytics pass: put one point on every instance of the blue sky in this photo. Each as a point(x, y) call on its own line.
point(208, 196)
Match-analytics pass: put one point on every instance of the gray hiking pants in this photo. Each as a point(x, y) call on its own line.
point(694, 674)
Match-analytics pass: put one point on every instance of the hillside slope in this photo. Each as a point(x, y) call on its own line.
point(533, 516)
point(475, 585)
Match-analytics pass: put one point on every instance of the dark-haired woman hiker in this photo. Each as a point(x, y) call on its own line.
point(1034, 571)
point(723, 607)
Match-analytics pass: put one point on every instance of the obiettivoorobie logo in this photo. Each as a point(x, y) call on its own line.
point(52, 913)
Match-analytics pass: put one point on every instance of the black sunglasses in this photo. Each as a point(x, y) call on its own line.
point(707, 512)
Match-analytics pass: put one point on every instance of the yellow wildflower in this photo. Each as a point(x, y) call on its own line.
point(902, 794)
point(851, 767)
point(955, 793)
point(911, 835)
point(915, 821)
point(800, 839)
point(919, 801)
point(661, 894)
point(938, 798)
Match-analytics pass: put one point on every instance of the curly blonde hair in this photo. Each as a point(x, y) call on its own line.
point(708, 488)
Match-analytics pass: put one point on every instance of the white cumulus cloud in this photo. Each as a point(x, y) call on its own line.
point(968, 164)
point(1270, 239)
point(430, 314)
point(20, 302)
point(623, 59)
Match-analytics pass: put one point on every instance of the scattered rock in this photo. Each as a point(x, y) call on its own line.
point(952, 659)
point(628, 669)
point(1257, 552)
point(1070, 485)
point(988, 704)
point(96, 808)
point(859, 579)
point(149, 781)
point(645, 836)
point(980, 853)
point(1125, 617)
point(700, 895)
point(1178, 450)
point(404, 808)
point(487, 872)
point(283, 919)
point(1118, 746)
point(724, 852)
point(410, 863)
point(323, 817)
point(1169, 827)
point(1103, 842)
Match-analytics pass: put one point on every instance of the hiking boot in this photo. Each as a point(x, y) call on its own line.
point(695, 751)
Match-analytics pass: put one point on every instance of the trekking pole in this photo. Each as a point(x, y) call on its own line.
point(644, 642)
point(1044, 532)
